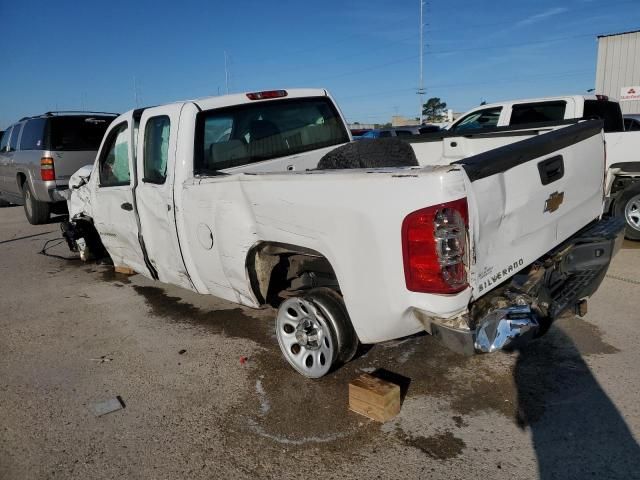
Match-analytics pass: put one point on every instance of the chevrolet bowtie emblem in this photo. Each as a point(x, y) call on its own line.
point(553, 202)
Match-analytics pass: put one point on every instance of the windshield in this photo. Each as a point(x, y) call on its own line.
point(255, 132)
point(77, 132)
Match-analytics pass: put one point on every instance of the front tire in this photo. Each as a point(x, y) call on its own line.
point(628, 207)
point(36, 212)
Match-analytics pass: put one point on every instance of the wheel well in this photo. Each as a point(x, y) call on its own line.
point(276, 268)
point(622, 182)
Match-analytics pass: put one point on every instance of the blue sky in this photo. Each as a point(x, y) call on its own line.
point(83, 55)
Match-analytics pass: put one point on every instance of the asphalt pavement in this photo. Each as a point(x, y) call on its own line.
point(201, 390)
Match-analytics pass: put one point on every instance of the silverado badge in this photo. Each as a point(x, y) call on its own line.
point(553, 202)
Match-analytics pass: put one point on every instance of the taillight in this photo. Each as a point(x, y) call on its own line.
point(267, 94)
point(47, 171)
point(433, 247)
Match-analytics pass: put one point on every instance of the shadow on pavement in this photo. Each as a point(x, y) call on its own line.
point(576, 429)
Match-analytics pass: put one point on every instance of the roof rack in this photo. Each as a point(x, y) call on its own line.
point(67, 112)
point(60, 112)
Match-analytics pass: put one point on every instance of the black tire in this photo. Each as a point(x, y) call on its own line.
point(630, 197)
point(36, 212)
point(346, 338)
point(378, 153)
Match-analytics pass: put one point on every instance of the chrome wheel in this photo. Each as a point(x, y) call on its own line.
point(305, 337)
point(632, 212)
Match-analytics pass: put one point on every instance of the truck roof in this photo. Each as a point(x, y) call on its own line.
point(537, 100)
point(221, 101)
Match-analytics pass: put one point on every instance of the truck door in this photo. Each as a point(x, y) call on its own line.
point(155, 161)
point(113, 203)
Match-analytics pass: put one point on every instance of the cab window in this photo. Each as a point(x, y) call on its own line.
point(114, 159)
point(479, 120)
point(156, 149)
point(537, 112)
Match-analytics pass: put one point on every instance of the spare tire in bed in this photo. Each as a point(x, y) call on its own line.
point(375, 153)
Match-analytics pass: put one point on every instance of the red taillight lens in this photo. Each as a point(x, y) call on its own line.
point(433, 247)
point(47, 171)
point(267, 94)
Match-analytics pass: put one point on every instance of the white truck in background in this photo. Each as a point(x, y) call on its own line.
point(623, 147)
point(262, 198)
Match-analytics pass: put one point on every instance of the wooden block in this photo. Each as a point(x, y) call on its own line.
point(125, 270)
point(374, 398)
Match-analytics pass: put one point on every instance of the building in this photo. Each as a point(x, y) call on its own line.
point(618, 69)
point(400, 121)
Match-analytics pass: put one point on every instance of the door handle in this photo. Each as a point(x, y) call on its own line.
point(551, 169)
point(126, 206)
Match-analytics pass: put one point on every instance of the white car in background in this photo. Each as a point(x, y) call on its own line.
point(622, 144)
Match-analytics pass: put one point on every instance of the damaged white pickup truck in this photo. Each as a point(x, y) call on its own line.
point(260, 198)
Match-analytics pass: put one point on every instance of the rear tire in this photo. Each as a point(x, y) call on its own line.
point(628, 207)
point(37, 212)
point(314, 332)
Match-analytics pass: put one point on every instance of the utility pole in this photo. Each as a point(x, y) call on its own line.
point(421, 76)
point(226, 72)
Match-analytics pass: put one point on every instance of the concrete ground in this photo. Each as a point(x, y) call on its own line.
point(74, 335)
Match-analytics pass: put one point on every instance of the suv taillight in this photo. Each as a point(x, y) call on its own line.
point(433, 247)
point(47, 171)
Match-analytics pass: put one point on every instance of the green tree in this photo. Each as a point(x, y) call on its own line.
point(434, 110)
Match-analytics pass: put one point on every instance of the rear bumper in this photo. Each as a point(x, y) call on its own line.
point(526, 306)
point(50, 192)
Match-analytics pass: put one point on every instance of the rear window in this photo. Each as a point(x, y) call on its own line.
point(537, 112)
point(608, 111)
point(77, 132)
point(254, 132)
point(33, 134)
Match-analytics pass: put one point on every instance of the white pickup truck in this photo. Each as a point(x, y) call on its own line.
point(623, 147)
point(261, 198)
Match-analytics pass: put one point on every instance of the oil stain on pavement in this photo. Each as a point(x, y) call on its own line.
point(286, 410)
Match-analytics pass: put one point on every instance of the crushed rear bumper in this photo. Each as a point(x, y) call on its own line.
point(525, 306)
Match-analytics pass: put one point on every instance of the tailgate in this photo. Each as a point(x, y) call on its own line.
point(66, 163)
point(528, 197)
